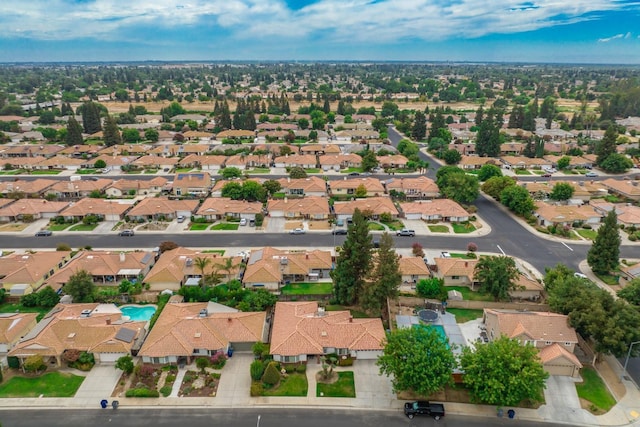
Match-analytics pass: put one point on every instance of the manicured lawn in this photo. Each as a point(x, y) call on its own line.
point(344, 387)
point(16, 172)
point(136, 172)
point(355, 313)
point(374, 226)
point(13, 308)
point(183, 169)
point(294, 384)
point(51, 384)
point(85, 171)
point(150, 171)
point(438, 228)
point(308, 288)
point(587, 234)
point(199, 227)
point(395, 225)
point(468, 294)
point(83, 227)
point(569, 172)
point(313, 170)
point(465, 314)
point(463, 228)
point(522, 172)
point(594, 390)
point(45, 172)
point(260, 170)
point(214, 251)
point(460, 255)
point(225, 226)
point(609, 279)
point(58, 227)
point(538, 172)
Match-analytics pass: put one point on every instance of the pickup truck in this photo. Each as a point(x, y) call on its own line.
point(421, 407)
point(405, 232)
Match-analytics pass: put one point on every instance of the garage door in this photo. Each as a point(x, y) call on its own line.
point(560, 369)
point(110, 357)
point(368, 355)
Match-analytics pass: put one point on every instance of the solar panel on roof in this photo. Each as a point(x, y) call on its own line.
point(126, 335)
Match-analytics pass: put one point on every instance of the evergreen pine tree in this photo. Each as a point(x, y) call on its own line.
point(607, 145)
point(604, 255)
point(353, 263)
point(529, 121)
point(385, 279)
point(437, 123)
point(479, 116)
point(419, 130)
point(91, 117)
point(111, 134)
point(74, 132)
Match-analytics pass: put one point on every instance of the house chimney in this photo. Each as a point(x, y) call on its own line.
point(466, 263)
point(122, 256)
point(108, 321)
point(229, 319)
point(306, 256)
point(350, 319)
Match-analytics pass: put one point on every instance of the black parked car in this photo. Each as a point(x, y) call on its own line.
point(43, 233)
point(422, 407)
point(339, 232)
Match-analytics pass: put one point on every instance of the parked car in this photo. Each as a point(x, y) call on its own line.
point(126, 233)
point(546, 175)
point(405, 232)
point(243, 221)
point(252, 223)
point(354, 174)
point(446, 254)
point(43, 233)
point(376, 242)
point(590, 174)
point(181, 218)
point(339, 232)
point(422, 407)
point(580, 275)
point(297, 231)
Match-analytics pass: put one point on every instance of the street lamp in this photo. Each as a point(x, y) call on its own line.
point(626, 361)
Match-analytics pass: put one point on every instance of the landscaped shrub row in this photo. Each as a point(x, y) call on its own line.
point(143, 392)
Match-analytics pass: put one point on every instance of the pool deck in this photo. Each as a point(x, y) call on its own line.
point(460, 335)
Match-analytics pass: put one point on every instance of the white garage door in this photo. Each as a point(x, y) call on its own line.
point(368, 355)
point(110, 357)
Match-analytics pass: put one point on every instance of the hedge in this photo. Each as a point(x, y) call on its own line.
point(142, 392)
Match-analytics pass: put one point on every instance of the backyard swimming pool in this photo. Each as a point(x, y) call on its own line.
point(138, 312)
point(439, 329)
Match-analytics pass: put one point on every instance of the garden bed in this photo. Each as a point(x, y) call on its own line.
point(199, 384)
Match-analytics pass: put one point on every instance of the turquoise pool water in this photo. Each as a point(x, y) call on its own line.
point(138, 312)
point(439, 329)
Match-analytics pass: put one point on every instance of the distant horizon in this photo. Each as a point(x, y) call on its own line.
point(594, 32)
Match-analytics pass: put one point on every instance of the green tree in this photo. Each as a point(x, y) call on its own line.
point(202, 263)
point(461, 188)
point(125, 364)
point(271, 375)
point(631, 292)
point(518, 200)
point(488, 171)
point(297, 172)
point(257, 300)
point(561, 191)
point(419, 129)
point(111, 134)
point(47, 297)
point(80, 286)
point(430, 288)
point(564, 162)
point(231, 172)
point(443, 174)
point(369, 161)
point(361, 191)
point(452, 157)
point(503, 372)
point(353, 263)
point(131, 135)
point(607, 145)
point(74, 133)
point(100, 164)
point(497, 276)
point(91, 117)
point(616, 163)
point(417, 359)
point(604, 255)
point(495, 185)
point(151, 135)
point(232, 190)
point(385, 278)
point(253, 191)
point(47, 117)
point(272, 186)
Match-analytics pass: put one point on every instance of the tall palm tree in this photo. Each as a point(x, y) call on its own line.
point(202, 263)
point(227, 266)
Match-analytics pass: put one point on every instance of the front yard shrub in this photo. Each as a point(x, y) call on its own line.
point(142, 392)
point(218, 360)
point(166, 390)
point(34, 364)
point(256, 389)
point(202, 363)
point(271, 374)
point(347, 361)
point(256, 370)
point(301, 369)
point(125, 364)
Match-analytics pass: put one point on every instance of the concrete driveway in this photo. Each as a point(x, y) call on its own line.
point(99, 383)
point(563, 404)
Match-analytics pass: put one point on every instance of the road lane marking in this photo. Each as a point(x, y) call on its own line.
point(500, 249)
point(567, 246)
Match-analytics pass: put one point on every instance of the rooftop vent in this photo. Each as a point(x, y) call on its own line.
point(197, 335)
point(284, 260)
point(189, 262)
point(203, 313)
point(85, 313)
point(71, 335)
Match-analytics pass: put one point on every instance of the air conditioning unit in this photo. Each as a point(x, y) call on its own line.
point(284, 260)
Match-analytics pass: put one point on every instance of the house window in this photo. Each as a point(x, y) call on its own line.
point(178, 192)
point(548, 343)
point(289, 359)
point(455, 277)
point(342, 351)
point(351, 191)
point(567, 344)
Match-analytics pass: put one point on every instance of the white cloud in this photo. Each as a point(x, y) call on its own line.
point(608, 39)
point(352, 20)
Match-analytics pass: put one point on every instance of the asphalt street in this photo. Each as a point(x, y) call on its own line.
point(240, 417)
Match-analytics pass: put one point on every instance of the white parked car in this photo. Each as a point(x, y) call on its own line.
point(243, 221)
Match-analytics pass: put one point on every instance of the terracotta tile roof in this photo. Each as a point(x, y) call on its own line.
point(203, 160)
point(413, 266)
point(162, 205)
point(478, 161)
point(556, 351)
point(443, 208)
point(340, 159)
point(65, 328)
point(522, 161)
point(565, 213)
point(174, 265)
point(125, 185)
point(376, 205)
point(310, 184)
point(456, 267)
point(373, 185)
point(151, 160)
point(15, 325)
point(299, 328)
point(192, 180)
point(80, 186)
point(32, 207)
point(180, 330)
point(235, 134)
point(296, 159)
point(523, 282)
point(305, 206)
point(61, 161)
point(539, 326)
point(420, 184)
point(392, 159)
point(89, 206)
point(28, 187)
point(29, 268)
point(629, 188)
point(264, 265)
point(325, 148)
point(225, 205)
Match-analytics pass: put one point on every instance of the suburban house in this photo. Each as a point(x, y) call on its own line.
point(22, 274)
point(302, 331)
point(338, 162)
point(314, 208)
point(320, 149)
point(109, 210)
point(206, 163)
point(522, 162)
point(33, 189)
point(79, 189)
point(582, 190)
point(216, 191)
point(627, 214)
point(466, 149)
point(246, 161)
point(179, 267)
point(108, 268)
point(114, 162)
point(511, 148)
point(349, 186)
point(185, 331)
point(627, 189)
point(414, 188)
point(95, 328)
point(526, 288)
point(444, 210)
point(13, 326)
point(192, 184)
point(157, 208)
point(392, 161)
point(220, 208)
point(28, 210)
point(550, 333)
point(236, 134)
point(311, 186)
point(305, 161)
point(131, 187)
point(270, 267)
point(155, 162)
point(548, 214)
point(475, 162)
point(413, 269)
point(574, 161)
point(356, 135)
point(455, 271)
point(60, 162)
point(375, 206)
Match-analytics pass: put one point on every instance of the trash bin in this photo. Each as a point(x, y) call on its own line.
point(511, 413)
point(104, 403)
point(230, 352)
point(115, 404)
point(500, 413)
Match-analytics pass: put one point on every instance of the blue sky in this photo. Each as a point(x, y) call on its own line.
point(583, 31)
